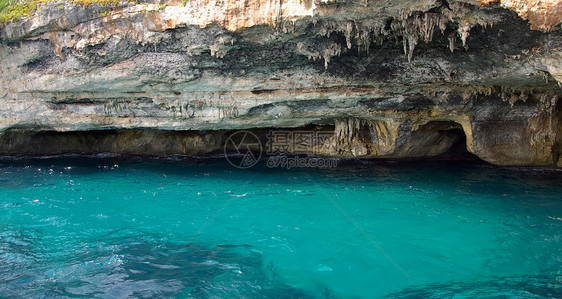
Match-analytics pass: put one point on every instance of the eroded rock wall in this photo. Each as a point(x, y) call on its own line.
point(393, 79)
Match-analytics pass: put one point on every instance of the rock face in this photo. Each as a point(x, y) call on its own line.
point(390, 79)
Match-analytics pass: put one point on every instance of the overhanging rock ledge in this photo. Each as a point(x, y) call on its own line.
point(391, 79)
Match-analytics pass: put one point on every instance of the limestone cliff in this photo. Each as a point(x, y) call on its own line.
point(391, 79)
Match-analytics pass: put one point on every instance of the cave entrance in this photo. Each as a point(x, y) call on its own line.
point(439, 140)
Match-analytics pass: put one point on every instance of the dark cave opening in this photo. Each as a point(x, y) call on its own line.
point(439, 140)
point(436, 140)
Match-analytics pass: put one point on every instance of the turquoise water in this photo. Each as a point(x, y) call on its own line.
point(117, 227)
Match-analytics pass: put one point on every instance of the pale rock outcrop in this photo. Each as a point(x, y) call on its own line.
point(390, 79)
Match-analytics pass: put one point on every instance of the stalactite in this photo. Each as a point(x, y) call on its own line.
point(348, 129)
point(514, 95)
point(332, 50)
point(364, 40)
point(360, 137)
point(412, 26)
point(451, 43)
point(348, 31)
point(412, 42)
point(464, 32)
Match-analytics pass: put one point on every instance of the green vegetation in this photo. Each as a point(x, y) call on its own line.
point(13, 10)
point(4, 3)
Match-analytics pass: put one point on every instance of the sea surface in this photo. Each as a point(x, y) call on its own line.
point(110, 226)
